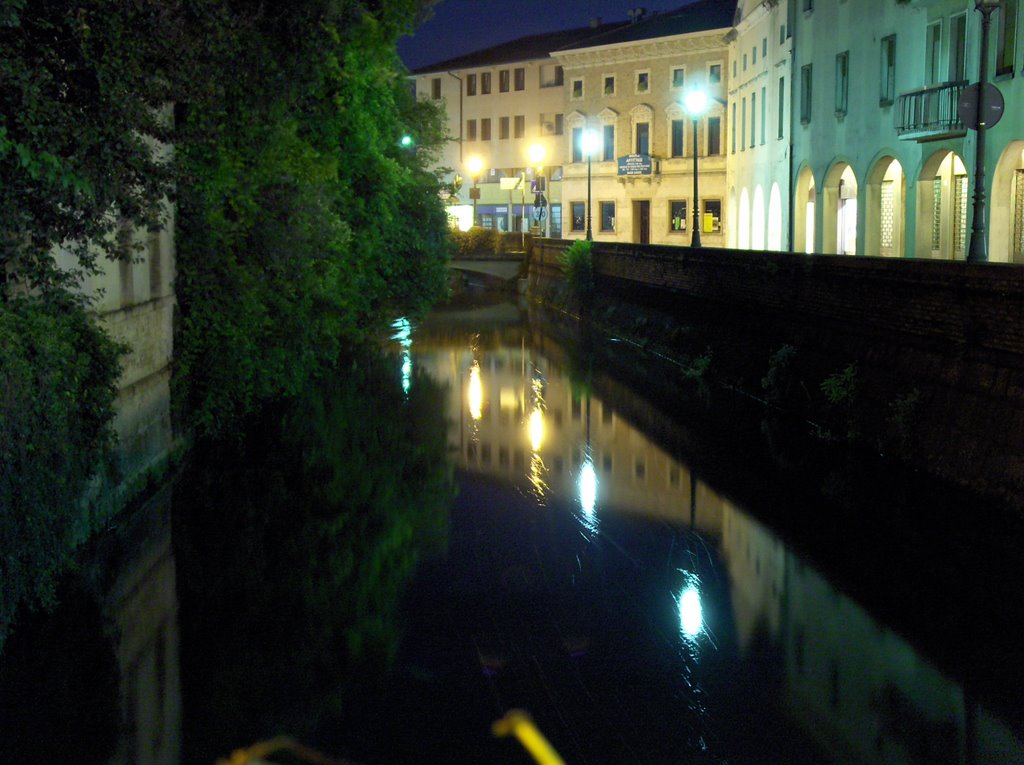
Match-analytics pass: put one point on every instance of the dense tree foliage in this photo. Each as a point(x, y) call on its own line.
point(57, 390)
point(302, 222)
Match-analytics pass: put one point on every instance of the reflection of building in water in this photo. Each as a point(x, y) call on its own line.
point(498, 437)
point(143, 605)
point(848, 680)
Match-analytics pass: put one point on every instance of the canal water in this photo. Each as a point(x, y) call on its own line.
point(495, 515)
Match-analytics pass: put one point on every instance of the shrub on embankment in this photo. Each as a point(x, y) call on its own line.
point(58, 382)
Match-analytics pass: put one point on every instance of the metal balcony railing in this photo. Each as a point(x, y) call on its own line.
point(930, 113)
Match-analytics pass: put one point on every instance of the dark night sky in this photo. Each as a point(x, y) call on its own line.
point(462, 26)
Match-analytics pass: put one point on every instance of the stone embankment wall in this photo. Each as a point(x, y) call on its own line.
point(938, 347)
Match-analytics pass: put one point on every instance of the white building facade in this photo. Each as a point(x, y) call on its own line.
point(760, 84)
point(883, 164)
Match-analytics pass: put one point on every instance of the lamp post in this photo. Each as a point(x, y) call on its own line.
point(475, 165)
point(978, 251)
point(696, 102)
point(590, 141)
point(537, 160)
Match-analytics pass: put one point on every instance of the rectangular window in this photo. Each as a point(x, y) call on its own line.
point(753, 120)
point(609, 85)
point(520, 78)
point(782, 34)
point(677, 138)
point(503, 128)
point(519, 126)
point(556, 219)
point(643, 138)
point(485, 83)
point(764, 47)
point(470, 84)
point(743, 125)
point(715, 73)
point(677, 216)
point(808, 6)
point(577, 88)
point(733, 127)
point(155, 265)
point(503, 80)
point(782, 107)
point(579, 212)
point(744, 62)
point(678, 77)
point(577, 144)
point(551, 76)
point(712, 222)
point(608, 143)
point(714, 136)
point(435, 88)
point(608, 216)
point(470, 130)
point(958, 48)
point(764, 112)
point(559, 124)
point(933, 52)
point(753, 55)
point(805, 93)
point(1007, 37)
point(887, 77)
point(643, 82)
point(485, 129)
point(842, 82)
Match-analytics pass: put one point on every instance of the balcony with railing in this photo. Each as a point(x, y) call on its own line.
point(930, 113)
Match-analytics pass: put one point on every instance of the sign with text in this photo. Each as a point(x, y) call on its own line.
point(635, 164)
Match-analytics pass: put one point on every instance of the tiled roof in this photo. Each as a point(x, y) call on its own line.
point(700, 16)
point(522, 49)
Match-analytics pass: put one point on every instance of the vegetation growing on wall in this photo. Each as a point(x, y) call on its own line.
point(577, 265)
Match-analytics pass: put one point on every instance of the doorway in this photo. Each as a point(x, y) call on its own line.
point(642, 221)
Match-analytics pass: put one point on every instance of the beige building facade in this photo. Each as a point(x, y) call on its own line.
point(627, 87)
point(505, 114)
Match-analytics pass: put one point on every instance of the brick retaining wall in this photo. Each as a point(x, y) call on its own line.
point(952, 330)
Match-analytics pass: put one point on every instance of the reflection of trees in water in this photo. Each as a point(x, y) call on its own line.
point(59, 698)
point(294, 545)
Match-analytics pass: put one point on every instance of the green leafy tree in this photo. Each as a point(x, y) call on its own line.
point(304, 222)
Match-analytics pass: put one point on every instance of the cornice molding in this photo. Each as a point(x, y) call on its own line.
point(644, 50)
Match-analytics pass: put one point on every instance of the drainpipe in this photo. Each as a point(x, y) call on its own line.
point(459, 79)
point(790, 22)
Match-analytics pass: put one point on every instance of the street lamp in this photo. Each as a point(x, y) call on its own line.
point(536, 154)
point(978, 251)
point(475, 165)
point(696, 103)
point(590, 142)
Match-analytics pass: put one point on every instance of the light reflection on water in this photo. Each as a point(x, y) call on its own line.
point(846, 680)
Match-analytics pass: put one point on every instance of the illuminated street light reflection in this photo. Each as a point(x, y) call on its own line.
point(588, 493)
point(476, 392)
point(691, 614)
point(403, 334)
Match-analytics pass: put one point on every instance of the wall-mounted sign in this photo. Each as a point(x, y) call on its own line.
point(635, 164)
